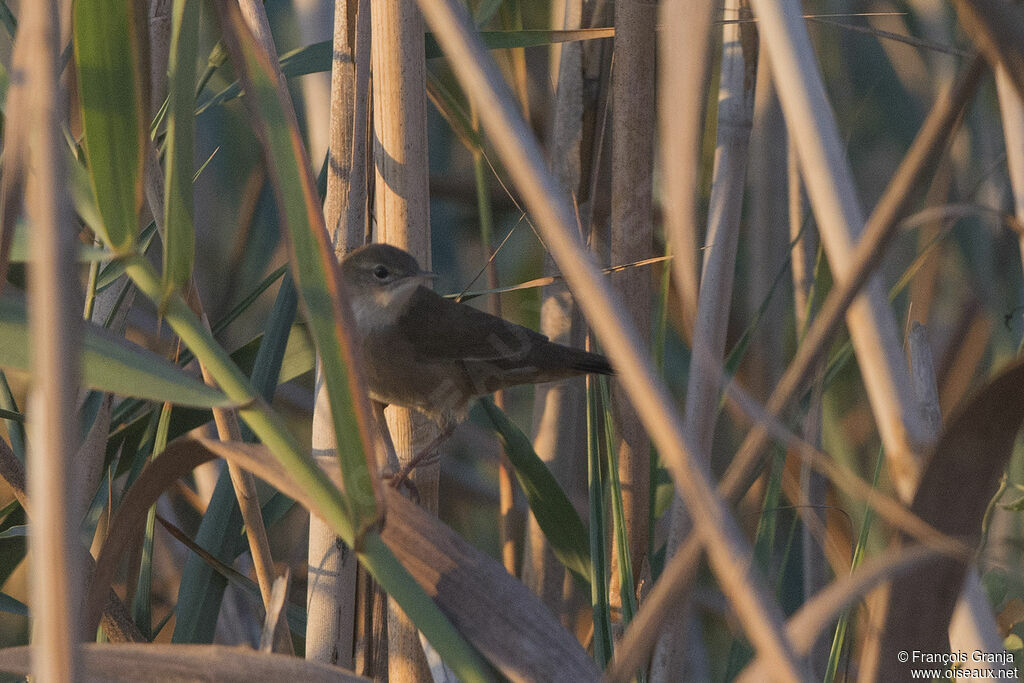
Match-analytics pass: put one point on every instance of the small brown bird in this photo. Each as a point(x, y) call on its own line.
point(423, 351)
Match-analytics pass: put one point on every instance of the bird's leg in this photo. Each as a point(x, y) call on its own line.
point(385, 434)
point(423, 457)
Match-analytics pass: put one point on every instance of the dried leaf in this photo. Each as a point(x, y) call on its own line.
point(494, 612)
point(958, 482)
point(109, 662)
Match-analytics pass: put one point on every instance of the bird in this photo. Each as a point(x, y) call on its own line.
point(423, 351)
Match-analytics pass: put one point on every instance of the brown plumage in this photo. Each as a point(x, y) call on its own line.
point(421, 350)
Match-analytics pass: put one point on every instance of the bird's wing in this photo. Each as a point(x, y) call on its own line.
point(440, 328)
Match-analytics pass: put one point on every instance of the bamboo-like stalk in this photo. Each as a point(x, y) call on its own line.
point(632, 239)
point(679, 573)
point(557, 418)
point(930, 142)
point(342, 155)
point(403, 219)
point(735, 117)
point(872, 328)
point(54, 320)
point(331, 592)
point(840, 220)
point(682, 60)
point(554, 217)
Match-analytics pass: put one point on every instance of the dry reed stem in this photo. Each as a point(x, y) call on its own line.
point(880, 229)
point(553, 215)
point(820, 612)
point(331, 590)
point(632, 239)
point(813, 486)
point(244, 484)
point(557, 415)
point(356, 224)
point(973, 625)
point(256, 21)
point(833, 198)
point(679, 572)
point(341, 158)
point(765, 237)
point(403, 219)
point(682, 64)
point(54, 322)
point(735, 117)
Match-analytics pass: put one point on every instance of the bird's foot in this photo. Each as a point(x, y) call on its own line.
point(398, 480)
point(427, 456)
point(401, 478)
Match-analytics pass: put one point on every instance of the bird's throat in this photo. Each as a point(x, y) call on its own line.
point(382, 307)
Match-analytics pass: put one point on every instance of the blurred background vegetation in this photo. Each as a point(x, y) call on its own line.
point(956, 269)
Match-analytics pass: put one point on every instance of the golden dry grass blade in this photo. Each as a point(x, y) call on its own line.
point(130, 663)
point(553, 279)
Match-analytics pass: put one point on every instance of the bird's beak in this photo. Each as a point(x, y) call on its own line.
point(426, 276)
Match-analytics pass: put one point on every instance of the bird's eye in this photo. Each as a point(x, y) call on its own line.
point(381, 272)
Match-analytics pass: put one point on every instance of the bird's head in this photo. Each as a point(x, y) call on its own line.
point(379, 280)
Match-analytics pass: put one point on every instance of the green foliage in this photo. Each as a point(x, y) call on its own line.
point(109, 363)
point(111, 97)
point(556, 516)
point(179, 233)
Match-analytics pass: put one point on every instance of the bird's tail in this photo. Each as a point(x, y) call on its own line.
point(592, 363)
